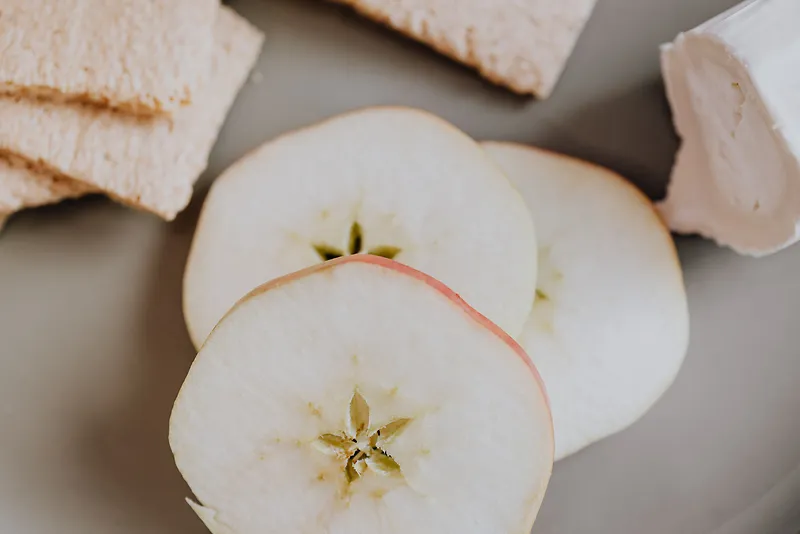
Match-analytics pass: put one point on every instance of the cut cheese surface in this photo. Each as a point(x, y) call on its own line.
point(733, 83)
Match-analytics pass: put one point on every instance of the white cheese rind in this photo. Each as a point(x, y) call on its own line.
point(733, 83)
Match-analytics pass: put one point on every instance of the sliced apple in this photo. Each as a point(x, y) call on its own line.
point(397, 183)
point(362, 396)
point(610, 326)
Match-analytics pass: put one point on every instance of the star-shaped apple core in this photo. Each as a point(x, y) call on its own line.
point(355, 245)
point(361, 448)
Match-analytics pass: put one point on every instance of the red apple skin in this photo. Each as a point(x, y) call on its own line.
point(452, 296)
point(384, 263)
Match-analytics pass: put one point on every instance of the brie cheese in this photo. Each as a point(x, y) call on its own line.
point(733, 84)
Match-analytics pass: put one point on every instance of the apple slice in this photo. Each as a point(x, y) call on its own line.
point(397, 183)
point(610, 326)
point(362, 396)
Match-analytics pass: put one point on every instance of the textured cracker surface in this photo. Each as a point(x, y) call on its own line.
point(148, 163)
point(143, 56)
point(22, 188)
point(521, 44)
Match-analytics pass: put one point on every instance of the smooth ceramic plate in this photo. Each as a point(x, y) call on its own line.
point(93, 346)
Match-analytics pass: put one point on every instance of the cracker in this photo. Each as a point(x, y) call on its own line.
point(21, 187)
point(523, 45)
point(152, 163)
point(140, 56)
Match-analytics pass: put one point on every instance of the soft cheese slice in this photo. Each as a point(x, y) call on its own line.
point(362, 397)
point(733, 84)
point(521, 44)
point(610, 326)
point(392, 182)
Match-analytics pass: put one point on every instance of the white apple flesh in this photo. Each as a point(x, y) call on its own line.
point(394, 182)
point(610, 326)
point(361, 396)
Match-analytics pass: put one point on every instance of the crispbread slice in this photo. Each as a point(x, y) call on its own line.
point(21, 188)
point(521, 44)
point(141, 56)
point(150, 164)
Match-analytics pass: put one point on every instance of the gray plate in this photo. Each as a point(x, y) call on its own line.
point(94, 347)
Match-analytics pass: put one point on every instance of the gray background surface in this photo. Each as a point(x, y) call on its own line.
point(93, 347)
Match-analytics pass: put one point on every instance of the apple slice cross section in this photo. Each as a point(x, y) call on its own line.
point(355, 246)
point(362, 396)
point(392, 182)
point(610, 326)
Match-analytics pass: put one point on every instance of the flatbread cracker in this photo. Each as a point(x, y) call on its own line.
point(520, 44)
point(151, 164)
point(141, 56)
point(21, 188)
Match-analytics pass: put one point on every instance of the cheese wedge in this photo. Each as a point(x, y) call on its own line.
point(733, 84)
